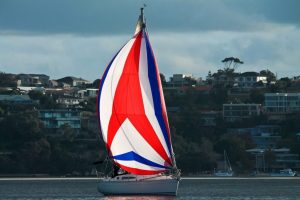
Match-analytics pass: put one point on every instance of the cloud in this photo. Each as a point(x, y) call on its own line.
point(58, 55)
point(74, 37)
point(96, 17)
point(276, 49)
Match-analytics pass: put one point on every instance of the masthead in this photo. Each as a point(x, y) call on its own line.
point(141, 24)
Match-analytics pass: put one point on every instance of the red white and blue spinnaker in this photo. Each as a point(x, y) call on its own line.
point(132, 112)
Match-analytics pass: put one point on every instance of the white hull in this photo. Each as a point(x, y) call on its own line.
point(284, 173)
point(224, 174)
point(138, 185)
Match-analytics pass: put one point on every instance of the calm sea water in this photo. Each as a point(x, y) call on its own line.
point(215, 189)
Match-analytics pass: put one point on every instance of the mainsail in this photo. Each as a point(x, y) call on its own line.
point(132, 112)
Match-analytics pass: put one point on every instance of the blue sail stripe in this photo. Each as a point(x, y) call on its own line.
point(152, 75)
point(132, 156)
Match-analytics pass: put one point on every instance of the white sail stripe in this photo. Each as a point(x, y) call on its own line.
point(147, 96)
point(137, 165)
point(129, 139)
point(109, 87)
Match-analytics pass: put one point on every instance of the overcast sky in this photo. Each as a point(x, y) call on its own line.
point(79, 37)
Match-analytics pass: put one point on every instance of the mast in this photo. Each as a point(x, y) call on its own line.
point(225, 161)
point(229, 165)
point(149, 149)
point(141, 23)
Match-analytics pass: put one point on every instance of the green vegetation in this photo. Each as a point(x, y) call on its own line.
point(27, 147)
point(198, 148)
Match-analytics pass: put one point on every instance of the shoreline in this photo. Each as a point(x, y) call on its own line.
point(183, 178)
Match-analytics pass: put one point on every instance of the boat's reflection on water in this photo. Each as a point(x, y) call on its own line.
point(140, 198)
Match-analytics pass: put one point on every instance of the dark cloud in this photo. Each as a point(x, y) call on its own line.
point(95, 17)
point(188, 36)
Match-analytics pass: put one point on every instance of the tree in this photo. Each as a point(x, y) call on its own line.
point(96, 83)
point(192, 157)
point(45, 101)
point(7, 80)
point(284, 83)
point(232, 62)
point(209, 78)
point(18, 129)
point(256, 96)
point(270, 75)
point(35, 95)
point(270, 158)
point(218, 96)
point(90, 104)
point(236, 149)
point(1, 111)
point(163, 79)
point(67, 132)
point(23, 135)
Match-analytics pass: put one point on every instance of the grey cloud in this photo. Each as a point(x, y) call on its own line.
point(96, 17)
point(194, 52)
point(192, 36)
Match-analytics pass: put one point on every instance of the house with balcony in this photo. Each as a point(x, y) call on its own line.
point(223, 79)
point(263, 136)
point(17, 99)
point(54, 119)
point(27, 89)
point(248, 80)
point(69, 101)
point(89, 121)
point(181, 80)
point(33, 79)
point(233, 112)
point(209, 118)
point(283, 158)
point(282, 102)
point(87, 93)
point(279, 105)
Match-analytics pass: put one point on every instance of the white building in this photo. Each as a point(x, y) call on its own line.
point(69, 101)
point(89, 92)
point(282, 102)
point(178, 80)
point(26, 90)
point(250, 79)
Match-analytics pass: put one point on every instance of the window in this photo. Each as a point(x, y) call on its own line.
point(128, 178)
point(271, 98)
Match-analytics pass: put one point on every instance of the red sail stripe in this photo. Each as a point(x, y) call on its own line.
point(128, 103)
point(163, 106)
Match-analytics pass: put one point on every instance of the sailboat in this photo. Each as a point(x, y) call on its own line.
point(134, 124)
point(284, 173)
point(227, 171)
